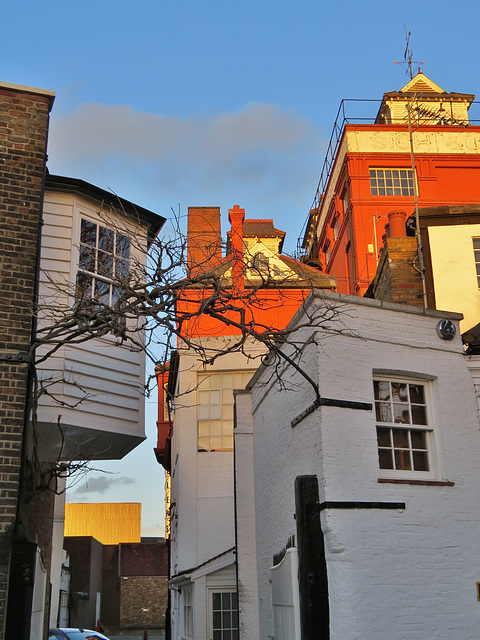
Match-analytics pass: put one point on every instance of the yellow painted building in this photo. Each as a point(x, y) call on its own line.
point(109, 523)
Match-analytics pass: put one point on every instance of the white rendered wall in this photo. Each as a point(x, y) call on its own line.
point(391, 574)
point(202, 482)
point(203, 526)
point(454, 272)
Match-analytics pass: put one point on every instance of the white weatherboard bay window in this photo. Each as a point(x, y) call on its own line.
point(215, 408)
point(404, 429)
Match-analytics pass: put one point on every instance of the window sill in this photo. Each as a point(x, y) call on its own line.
point(434, 483)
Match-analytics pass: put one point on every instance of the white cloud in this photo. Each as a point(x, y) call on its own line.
point(98, 484)
point(98, 130)
point(258, 152)
point(154, 531)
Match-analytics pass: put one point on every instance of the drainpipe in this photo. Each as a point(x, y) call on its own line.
point(417, 214)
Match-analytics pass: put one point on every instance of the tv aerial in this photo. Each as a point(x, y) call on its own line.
point(408, 61)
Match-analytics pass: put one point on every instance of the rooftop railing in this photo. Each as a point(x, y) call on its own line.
point(351, 111)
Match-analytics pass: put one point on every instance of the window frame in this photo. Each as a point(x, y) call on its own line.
point(222, 590)
point(260, 263)
point(96, 250)
point(223, 408)
point(335, 228)
point(430, 429)
point(327, 251)
point(476, 254)
point(136, 234)
point(187, 612)
point(411, 177)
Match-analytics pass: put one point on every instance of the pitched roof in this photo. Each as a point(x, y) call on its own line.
point(63, 184)
point(421, 84)
point(256, 228)
point(304, 276)
point(263, 228)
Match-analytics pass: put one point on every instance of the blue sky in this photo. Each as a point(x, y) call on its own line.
point(215, 103)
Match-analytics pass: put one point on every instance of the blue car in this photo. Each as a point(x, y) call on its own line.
point(75, 634)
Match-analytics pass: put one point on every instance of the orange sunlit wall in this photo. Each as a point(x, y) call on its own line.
point(351, 235)
point(266, 309)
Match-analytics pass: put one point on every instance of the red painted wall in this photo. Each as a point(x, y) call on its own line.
point(443, 179)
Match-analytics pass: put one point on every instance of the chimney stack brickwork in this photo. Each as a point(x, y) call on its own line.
point(24, 116)
point(398, 278)
point(204, 239)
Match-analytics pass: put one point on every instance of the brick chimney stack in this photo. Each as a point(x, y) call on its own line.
point(397, 279)
point(236, 217)
point(204, 239)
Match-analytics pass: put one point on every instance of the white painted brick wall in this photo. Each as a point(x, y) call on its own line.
point(395, 575)
point(245, 519)
point(202, 485)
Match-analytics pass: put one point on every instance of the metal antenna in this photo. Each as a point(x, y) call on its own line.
point(408, 56)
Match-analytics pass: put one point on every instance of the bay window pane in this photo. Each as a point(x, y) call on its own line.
point(88, 233)
point(105, 239)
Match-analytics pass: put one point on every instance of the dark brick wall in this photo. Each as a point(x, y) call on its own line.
point(143, 602)
point(23, 136)
point(144, 559)
point(111, 587)
point(134, 599)
point(86, 573)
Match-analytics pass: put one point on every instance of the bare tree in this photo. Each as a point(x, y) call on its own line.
point(156, 302)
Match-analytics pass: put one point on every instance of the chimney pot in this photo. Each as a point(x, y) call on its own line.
point(396, 221)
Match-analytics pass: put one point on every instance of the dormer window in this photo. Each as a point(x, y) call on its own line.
point(260, 263)
point(262, 266)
